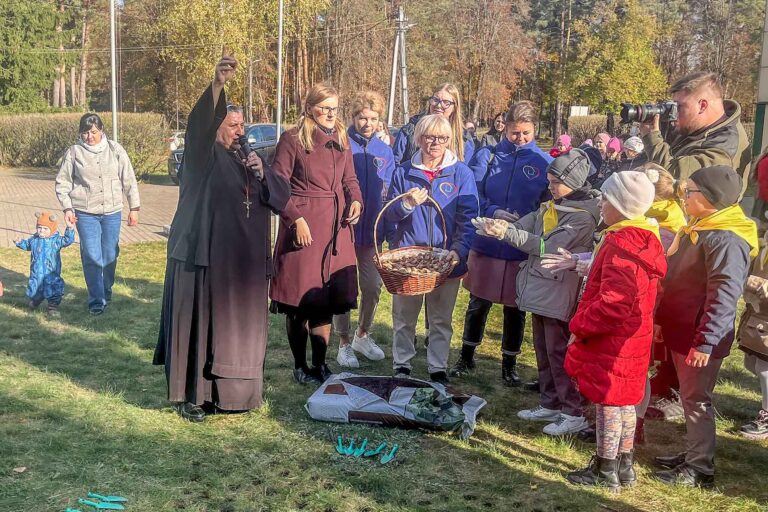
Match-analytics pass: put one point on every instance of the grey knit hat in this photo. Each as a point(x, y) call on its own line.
point(572, 168)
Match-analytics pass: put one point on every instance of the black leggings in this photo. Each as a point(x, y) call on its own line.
point(298, 327)
point(476, 317)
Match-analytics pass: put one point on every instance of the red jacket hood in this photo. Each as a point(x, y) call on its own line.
point(642, 246)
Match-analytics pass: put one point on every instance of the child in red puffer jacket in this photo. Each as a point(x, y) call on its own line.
point(612, 329)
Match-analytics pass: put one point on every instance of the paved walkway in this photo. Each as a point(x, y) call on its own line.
point(25, 191)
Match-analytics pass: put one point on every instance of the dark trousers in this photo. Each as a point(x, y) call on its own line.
point(476, 318)
point(665, 379)
point(697, 385)
point(557, 391)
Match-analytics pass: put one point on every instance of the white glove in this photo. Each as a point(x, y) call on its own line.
point(583, 266)
point(494, 228)
point(564, 260)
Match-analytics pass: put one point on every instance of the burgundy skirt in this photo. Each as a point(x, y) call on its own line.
point(492, 279)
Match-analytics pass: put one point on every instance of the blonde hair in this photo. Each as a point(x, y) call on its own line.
point(306, 126)
point(368, 100)
point(663, 181)
point(432, 124)
point(456, 119)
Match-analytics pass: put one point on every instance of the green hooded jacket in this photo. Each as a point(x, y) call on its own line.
point(724, 143)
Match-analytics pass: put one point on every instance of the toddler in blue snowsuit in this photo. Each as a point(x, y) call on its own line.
point(45, 282)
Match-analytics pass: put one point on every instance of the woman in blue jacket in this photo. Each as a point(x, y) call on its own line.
point(374, 165)
point(433, 171)
point(512, 182)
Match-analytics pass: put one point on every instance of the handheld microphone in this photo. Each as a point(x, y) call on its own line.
point(245, 150)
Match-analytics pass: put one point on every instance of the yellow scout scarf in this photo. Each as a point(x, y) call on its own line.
point(550, 219)
point(668, 214)
point(728, 219)
point(640, 222)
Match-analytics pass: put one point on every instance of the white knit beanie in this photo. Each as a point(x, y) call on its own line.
point(630, 192)
point(635, 144)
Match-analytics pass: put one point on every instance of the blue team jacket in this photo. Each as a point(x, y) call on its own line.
point(454, 190)
point(45, 269)
point(515, 181)
point(374, 166)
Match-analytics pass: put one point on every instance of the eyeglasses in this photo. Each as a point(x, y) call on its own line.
point(690, 191)
point(434, 100)
point(328, 110)
point(440, 139)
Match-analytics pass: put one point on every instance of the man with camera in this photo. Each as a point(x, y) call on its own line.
point(707, 129)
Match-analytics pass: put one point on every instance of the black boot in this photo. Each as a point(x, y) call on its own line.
point(532, 386)
point(627, 475)
point(509, 374)
point(600, 472)
point(190, 411)
point(322, 372)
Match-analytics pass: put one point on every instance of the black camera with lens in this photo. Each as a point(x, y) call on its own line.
point(667, 110)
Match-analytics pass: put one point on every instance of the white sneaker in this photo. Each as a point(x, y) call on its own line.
point(539, 413)
point(366, 346)
point(566, 424)
point(347, 357)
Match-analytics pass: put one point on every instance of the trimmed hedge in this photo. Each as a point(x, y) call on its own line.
point(581, 128)
point(40, 140)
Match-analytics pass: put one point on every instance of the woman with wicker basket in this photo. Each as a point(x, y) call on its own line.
point(435, 174)
point(512, 182)
point(315, 268)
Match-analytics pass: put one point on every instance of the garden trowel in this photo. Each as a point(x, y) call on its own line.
point(391, 455)
point(101, 505)
point(361, 449)
point(111, 499)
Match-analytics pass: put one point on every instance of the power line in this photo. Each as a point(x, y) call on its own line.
point(188, 46)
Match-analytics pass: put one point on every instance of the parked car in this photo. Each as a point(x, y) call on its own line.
point(176, 141)
point(262, 137)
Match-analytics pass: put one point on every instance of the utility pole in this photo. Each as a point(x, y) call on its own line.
point(279, 120)
point(249, 117)
point(177, 98)
point(393, 79)
point(403, 65)
point(761, 120)
point(112, 51)
point(400, 29)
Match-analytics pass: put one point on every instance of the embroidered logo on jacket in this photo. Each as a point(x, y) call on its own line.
point(531, 172)
point(448, 189)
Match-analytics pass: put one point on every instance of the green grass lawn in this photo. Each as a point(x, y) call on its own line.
point(82, 408)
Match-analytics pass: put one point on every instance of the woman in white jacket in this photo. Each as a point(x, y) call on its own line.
point(90, 185)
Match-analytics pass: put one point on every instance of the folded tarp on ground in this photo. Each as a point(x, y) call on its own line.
point(397, 402)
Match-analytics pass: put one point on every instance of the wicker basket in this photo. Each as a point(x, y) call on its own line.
point(407, 283)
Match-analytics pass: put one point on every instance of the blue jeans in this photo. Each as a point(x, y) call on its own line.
point(99, 236)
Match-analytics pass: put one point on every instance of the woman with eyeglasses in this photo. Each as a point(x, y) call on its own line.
point(315, 267)
point(434, 171)
point(95, 175)
point(445, 101)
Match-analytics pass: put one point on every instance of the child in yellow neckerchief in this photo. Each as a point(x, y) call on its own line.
point(567, 222)
point(709, 263)
point(666, 208)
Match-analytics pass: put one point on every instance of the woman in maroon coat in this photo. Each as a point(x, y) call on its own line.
point(315, 267)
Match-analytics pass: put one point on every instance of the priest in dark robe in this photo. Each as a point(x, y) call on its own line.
point(214, 320)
